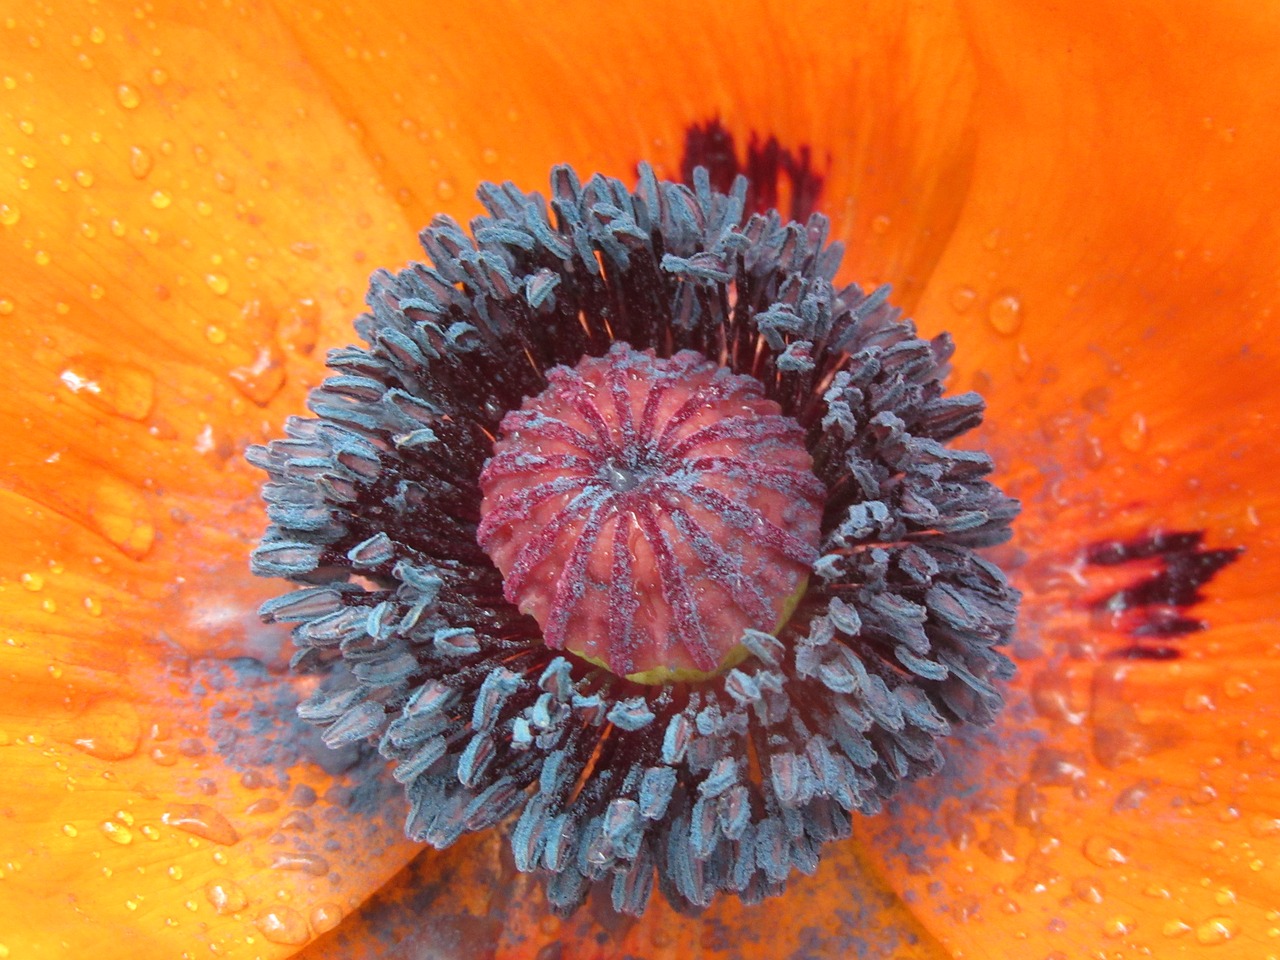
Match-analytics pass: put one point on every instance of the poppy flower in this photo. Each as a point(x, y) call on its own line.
point(193, 201)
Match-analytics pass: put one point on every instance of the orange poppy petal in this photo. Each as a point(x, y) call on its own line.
point(186, 217)
point(173, 797)
point(1111, 282)
point(469, 902)
point(879, 97)
point(1114, 274)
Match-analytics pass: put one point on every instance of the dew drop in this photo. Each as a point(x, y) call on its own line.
point(97, 35)
point(445, 190)
point(311, 863)
point(1216, 930)
point(1117, 927)
point(1175, 928)
point(326, 917)
point(127, 96)
point(962, 298)
point(6, 306)
point(1005, 314)
point(160, 200)
point(1263, 826)
point(1102, 852)
point(226, 896)
point(881, 224)
point(120, 388)
point(120, 513)
point(1087, 889)
point(300, 327)
point(116, 832)
point(70, 830)
point(108, 729)
point(9, 215)
point(263, 379)
point(283, 925)
point(299, 821)
point(1133, 434)
point(489, 155)
point(84, 178)
point(140, 162)
point(32, 581)
point(218, 283)
point(202, 821)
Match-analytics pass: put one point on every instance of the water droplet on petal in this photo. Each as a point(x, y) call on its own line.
point(108, 729)
point(1118, 927)
point(300, 326)
point(962, 298)
point(226, 896)
point(283, 925)
point(160, 200)
point(1087, 889)
point(9, 215)
point(128, 96)
point(119, 388)
point(218, 283)
point(1133, 434)
point(326, 917)
point(311, 863)
point(121, 514)
point(203, 821)
point(140, 162)
point(263, 379)
point(116, 832)
point(1216, 930)
point(1005, 314)
point(1103, 852)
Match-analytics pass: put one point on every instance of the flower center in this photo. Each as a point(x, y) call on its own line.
point(646, 512)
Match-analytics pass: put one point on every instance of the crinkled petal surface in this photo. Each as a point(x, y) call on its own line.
point(1112, 283)
point(193, 199)
point(187, 216)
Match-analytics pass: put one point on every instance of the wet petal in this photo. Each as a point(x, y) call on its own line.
point(865, 111)
point(184, 230)
point(479, 906)
point(179, 799)
point(1112, 281)
point(182, 242)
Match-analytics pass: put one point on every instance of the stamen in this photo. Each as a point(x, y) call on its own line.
point(796, 580)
